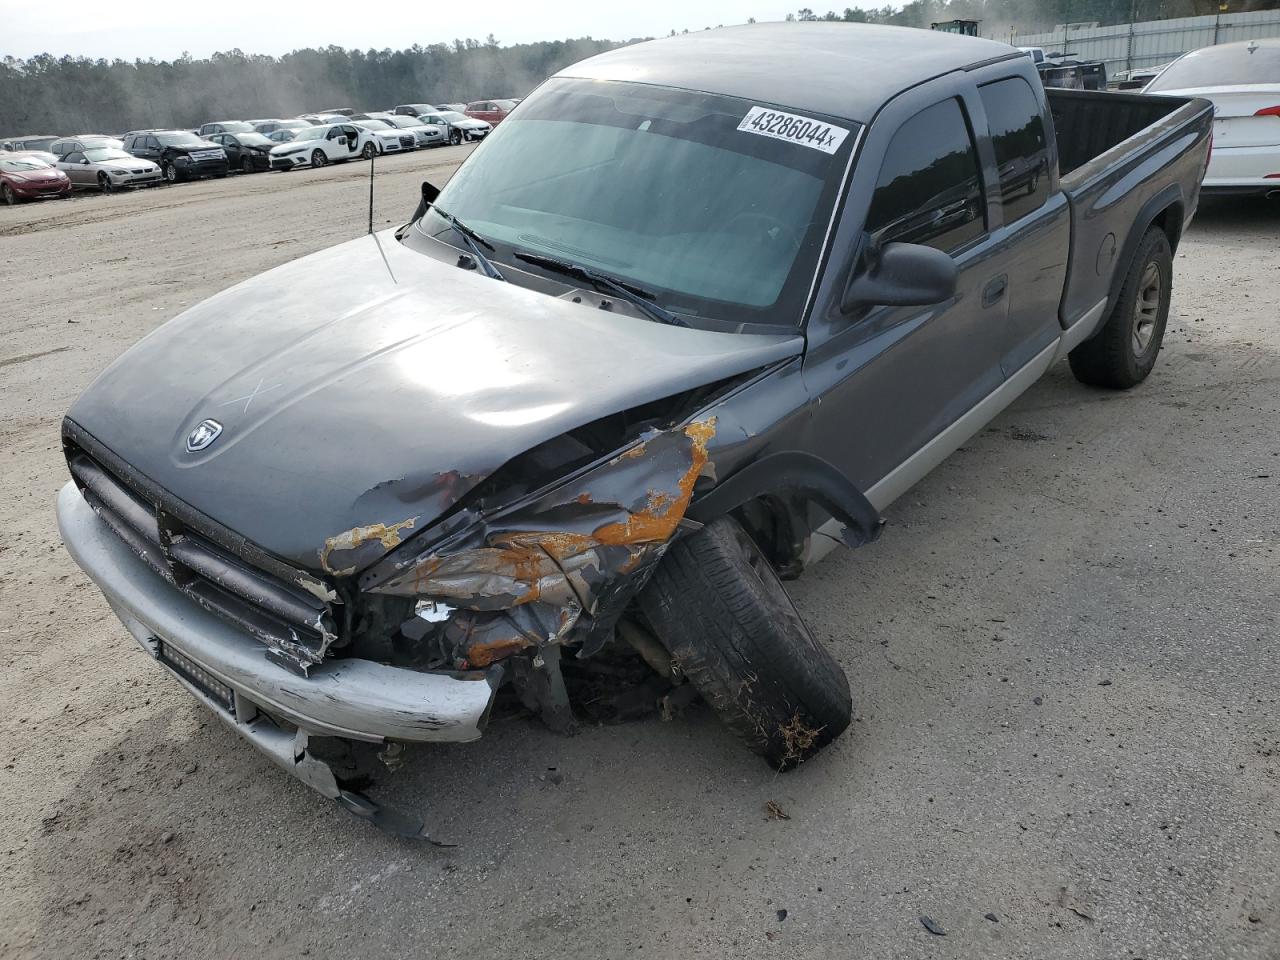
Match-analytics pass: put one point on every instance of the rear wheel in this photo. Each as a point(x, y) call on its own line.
point(1124, 351)
point(721, 611)
point(318, 158)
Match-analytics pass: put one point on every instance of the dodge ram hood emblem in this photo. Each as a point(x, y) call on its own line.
point(205, 433)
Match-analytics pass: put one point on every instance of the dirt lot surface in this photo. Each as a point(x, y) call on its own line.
point(1063, 655)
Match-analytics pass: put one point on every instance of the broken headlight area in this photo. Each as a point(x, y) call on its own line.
point(553, 570)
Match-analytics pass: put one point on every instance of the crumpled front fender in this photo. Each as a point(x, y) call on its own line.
point(562, 563)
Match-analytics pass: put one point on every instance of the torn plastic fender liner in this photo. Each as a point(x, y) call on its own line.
point(801, 477)
point(533, 572)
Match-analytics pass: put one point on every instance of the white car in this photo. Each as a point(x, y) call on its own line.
point(323, 145)
point(1243, 82)
point(457, 127)
point(388, 137)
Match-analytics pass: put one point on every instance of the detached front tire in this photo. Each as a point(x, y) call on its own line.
point(1124, 351)
point(723, 615)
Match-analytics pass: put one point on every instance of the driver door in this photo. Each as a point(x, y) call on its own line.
point(76, 167)
point(891, 379)
point(335, 144)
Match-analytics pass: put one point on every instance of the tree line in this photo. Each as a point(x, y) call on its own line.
point(48, 94)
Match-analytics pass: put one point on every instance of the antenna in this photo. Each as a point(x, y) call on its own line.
point(372, 155)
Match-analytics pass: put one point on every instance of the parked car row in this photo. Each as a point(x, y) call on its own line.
point(36, 166)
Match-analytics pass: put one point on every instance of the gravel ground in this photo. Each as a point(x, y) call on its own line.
point(1062, 655)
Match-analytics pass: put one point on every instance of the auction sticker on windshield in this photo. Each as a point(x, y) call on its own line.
point(793, 128)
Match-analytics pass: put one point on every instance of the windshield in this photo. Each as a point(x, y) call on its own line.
point(373, 124)
point(98, 154)
point(23, 163)
point(1226, 66)
point(312, 133)
point(253, 140)
point(453, 116)
point(179, 139)
point(235, 126)
point(717, 206)
point(405, 122)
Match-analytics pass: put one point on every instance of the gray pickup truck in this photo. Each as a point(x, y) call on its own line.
point(693, 315)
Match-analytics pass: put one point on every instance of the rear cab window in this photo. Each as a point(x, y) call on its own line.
point(1021, 147)
point(930, 186)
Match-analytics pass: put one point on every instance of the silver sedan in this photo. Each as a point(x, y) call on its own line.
point(107, 169)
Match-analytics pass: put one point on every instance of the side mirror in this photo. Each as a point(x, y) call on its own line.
point(429, 193)
point(902, 275)
point(85, 161)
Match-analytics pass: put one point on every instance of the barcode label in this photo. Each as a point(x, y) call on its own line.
point(793, 128)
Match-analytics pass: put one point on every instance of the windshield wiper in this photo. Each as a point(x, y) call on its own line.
point(620, 288)
point(473, 242)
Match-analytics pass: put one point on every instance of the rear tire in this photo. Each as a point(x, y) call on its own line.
point(721, 611)
point(1124, 351)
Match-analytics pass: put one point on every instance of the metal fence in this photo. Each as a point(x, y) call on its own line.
point(1130, 45)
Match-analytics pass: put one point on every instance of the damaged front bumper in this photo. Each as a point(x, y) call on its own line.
point(231, 672)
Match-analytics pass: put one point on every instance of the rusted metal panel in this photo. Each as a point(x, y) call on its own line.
point(562, 564)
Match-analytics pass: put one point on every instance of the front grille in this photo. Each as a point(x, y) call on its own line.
point(207, 155)
point(278, 604)
point(406, 141)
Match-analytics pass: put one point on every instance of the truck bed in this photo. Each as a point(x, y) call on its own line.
point(1122, 158)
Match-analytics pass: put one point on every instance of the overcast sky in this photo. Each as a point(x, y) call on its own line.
point(104, 29)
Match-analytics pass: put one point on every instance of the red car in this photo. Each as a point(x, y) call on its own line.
point(491, 111)
point(24, 177)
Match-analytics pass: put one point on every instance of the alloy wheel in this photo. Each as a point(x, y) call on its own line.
point(1147, 312)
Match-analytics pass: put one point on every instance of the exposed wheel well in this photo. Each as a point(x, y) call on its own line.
point(1170, 221)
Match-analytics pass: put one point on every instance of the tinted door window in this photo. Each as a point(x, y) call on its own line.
point(1022, 153)
point(930, 186)
point(75, 157)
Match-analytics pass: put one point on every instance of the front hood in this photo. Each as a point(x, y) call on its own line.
point(39, 175)
point(355, 392)
point(122, 164)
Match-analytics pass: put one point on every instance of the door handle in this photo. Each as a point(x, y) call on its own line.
point(994, 290)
